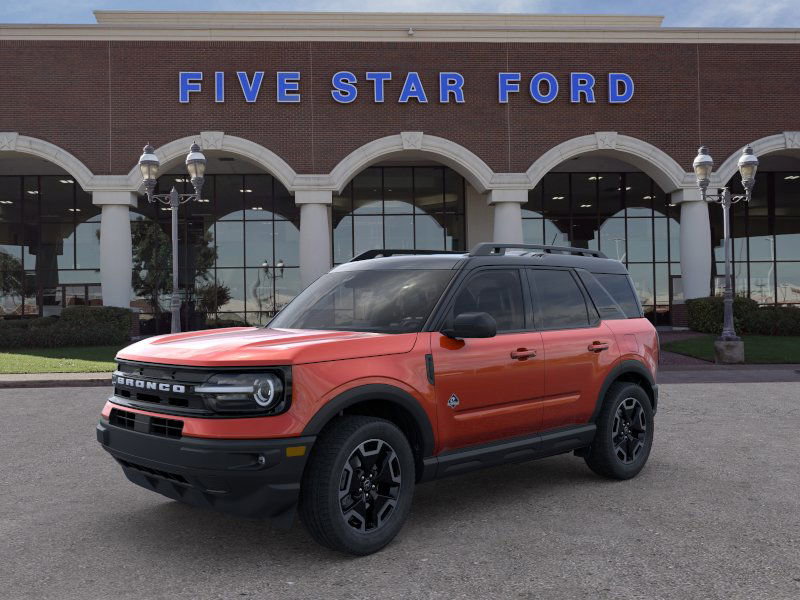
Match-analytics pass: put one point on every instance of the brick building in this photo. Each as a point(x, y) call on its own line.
point(330, 134)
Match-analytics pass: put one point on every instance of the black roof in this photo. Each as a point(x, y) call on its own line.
point(486, 254)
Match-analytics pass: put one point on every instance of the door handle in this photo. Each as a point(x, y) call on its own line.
point(522, 354)
point(598, 346)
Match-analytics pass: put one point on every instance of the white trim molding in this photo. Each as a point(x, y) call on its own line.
point(442, 150)
point(220, 141)
point(656, 163)
point(11, 141)
point(788, 140)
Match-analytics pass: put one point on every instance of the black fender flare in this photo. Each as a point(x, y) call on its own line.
point(623, 368)
point(375, 391)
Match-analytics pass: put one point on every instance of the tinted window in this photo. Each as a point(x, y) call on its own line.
point(561, 303)
point(620, 288)
point(605, 304)
point(497, 292)
point(390, 301)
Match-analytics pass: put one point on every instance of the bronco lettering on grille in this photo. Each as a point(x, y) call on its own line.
point(142, 384)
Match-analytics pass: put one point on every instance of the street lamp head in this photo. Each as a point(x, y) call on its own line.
point(280, 266)
point(148, 165)
point(196, 165)
point(703, 165)
point(748, 165)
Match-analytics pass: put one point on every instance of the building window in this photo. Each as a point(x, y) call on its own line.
point(765, 240)
point(49, 246)
point(238, 253)
point(624, 215)
point(419, 208)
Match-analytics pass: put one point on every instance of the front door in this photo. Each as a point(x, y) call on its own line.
point(489, 388)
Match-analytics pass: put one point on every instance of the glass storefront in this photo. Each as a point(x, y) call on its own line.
point(238, 252)
point(765, 240)
point(624, 215)
point(399, 208)
point(49, 246)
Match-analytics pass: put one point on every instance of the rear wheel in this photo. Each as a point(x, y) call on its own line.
point(356, 492)
point(624, 433)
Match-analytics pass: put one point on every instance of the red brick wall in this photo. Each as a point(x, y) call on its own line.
point(102, 101)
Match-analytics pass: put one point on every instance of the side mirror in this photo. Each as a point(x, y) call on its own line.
point(472, 325)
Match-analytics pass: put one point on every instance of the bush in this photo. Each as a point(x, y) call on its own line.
point(77, 326)
point(706, 315)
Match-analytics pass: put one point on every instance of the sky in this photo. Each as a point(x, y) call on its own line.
point(678, 13)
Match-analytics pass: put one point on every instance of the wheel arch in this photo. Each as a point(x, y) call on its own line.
point(634, 372)
point(386, 402)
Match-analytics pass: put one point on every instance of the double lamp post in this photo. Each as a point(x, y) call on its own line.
point(728, 347)
point(196, 165)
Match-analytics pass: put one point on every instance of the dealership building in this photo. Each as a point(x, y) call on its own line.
point(328, 134)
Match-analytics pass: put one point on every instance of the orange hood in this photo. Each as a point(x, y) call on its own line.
point(255, 346)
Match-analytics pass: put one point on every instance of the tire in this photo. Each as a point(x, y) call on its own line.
point(624, 433)
point(367, 513)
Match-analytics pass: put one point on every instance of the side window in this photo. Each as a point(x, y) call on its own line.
point(561, 302)
point(496, 292)
point(621, 290)
point(605, 304)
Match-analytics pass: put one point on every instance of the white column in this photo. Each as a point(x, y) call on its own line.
point(315, 233)
point(116, 256)
point(695, 243)
point(508, 214)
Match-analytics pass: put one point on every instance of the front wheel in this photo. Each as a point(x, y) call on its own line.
point(624, 433)
point(357, 489)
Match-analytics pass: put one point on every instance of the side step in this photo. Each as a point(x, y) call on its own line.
point(519, 449)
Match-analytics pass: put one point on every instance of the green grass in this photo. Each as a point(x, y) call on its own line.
point(85, 359)
point(758, 349)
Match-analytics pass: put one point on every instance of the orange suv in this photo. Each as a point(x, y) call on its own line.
point(396, 368)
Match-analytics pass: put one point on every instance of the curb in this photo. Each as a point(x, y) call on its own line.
point(54, 383)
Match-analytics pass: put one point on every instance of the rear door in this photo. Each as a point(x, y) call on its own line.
point(579, 347)
point(489, 388)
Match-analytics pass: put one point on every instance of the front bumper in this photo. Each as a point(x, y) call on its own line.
point(250, 478)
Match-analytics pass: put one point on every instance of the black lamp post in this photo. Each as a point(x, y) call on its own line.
point(196, 165)
point(703, 165)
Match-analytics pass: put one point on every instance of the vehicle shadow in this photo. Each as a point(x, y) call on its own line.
point(438, 505)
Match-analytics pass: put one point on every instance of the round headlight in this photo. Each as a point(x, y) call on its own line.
point(266, 392)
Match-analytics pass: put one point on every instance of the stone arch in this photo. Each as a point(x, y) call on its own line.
point(444, 151)
point(656, 163)
point(781, 142)
point(11, 141)
point(218, 140)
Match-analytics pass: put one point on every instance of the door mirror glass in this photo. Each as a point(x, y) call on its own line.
point(472, 325)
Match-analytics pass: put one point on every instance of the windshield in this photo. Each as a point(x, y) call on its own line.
point(391, 301)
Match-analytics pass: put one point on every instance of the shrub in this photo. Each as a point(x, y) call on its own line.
point(77, 326)
point(706, 315)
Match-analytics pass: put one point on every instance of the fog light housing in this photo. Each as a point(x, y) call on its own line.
point(244, 393)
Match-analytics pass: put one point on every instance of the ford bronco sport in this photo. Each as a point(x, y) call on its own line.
point(395, 368)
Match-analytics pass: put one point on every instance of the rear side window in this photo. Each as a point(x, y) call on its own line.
point(561, 304)
point(621, 290)
point(605, 304)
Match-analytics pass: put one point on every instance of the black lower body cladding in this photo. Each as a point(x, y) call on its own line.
point(250, 478)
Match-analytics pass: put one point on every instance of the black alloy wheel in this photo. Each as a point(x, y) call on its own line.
point(370, 485)
point(629, 432)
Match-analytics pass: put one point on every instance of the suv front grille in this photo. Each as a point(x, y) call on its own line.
point(161, 388)
point(171, 428)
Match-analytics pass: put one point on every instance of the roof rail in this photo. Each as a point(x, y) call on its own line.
point(368, 254)
point(488, 248)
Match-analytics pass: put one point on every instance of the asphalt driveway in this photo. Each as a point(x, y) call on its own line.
point(715, 514)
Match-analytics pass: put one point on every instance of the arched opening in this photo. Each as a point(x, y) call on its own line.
point(605, 203)
point(409, 204)
point(238, 247)
point(765, 233)
point(49, 239)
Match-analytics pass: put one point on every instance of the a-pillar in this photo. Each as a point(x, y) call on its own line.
point(116, 256)
point(508, 214)
point(695, 243)
point(315, 233)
